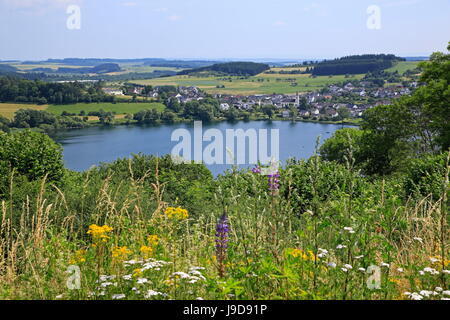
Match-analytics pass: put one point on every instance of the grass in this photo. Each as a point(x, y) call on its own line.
point(8, 109)
point(121, 108)
point(129, 240)
point(260, 84)
point(118, 108)
point(403, 66)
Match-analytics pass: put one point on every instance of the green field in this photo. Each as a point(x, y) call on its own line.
point(8, 109)
point(260, 84)
point(118, 108)
point(403, 66)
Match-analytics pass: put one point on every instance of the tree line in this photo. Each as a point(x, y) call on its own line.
point(355, 64)
point(14, 89)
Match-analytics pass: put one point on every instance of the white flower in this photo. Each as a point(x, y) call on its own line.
point(136, 290)
point(416, 296)
point(341, 246)
point(127, 277)
point(418, 239)
point(106, 284)
point(400, 270)
point(152, 293)
point(426, 293)
point(421, 273)
point(331, 264)
point(431, 270)
point(349, 229)
point(362, 269)
point(384, 264)
point(434, 260)
point(344, 269)
point(438, 289)
point(347, 266)
point(446, 293)
point(59, 296)
point(359, 257)
point(322, 253)
point(445, 298)
point(142, 280)
point(446, 271)
point(118, 296)
point(199, 298)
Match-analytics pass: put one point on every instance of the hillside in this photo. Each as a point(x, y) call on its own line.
point(355, 64)
point(232, 68)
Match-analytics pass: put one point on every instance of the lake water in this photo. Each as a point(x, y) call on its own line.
point(86, 147)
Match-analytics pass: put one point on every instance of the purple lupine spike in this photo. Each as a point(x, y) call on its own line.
point(222, 231)
point(256, 169)
point(273, 182)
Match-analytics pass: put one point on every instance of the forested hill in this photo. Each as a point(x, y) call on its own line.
point(232, 68)
point(356, 64)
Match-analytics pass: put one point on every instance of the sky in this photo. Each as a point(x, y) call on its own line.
point(227, 29)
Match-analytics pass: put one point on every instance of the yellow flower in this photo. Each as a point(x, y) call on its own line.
point(152, 240)
point(137, 273)
point(98, 233)
point(299, 253)
point(147, 251)
point(176, 213)
point(120, 253)
point(79, 257)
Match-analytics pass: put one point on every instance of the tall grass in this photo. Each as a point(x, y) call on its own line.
point(304, 242)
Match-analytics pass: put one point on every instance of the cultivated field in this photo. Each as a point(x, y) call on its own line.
point(118, 108)
point(260, 84)
point(8, 109)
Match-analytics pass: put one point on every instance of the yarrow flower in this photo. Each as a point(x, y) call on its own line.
point(222, 231)
point(98, 233)
point(176, 213)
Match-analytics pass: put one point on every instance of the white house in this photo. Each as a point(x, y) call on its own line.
point(224, 106)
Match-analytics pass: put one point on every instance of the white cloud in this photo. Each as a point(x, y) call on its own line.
point(174, 17)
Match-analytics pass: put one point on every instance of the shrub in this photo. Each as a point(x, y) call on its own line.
point(32, 154)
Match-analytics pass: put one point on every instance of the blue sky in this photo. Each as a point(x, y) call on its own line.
point(284, 29)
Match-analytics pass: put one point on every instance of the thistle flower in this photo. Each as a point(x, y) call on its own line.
point(222, 231)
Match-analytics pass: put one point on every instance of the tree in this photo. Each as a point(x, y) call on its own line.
point(268, 110)
point(32, 154)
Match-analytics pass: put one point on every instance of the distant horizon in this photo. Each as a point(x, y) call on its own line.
point(36, 30)
point(206, 59)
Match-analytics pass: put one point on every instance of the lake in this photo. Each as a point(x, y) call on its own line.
point(90, 146)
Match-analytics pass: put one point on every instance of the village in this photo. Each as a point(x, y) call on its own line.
point(330, 103)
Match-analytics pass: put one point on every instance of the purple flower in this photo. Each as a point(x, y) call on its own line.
point(222, 230)
point(273, 181)
point(256, 169)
